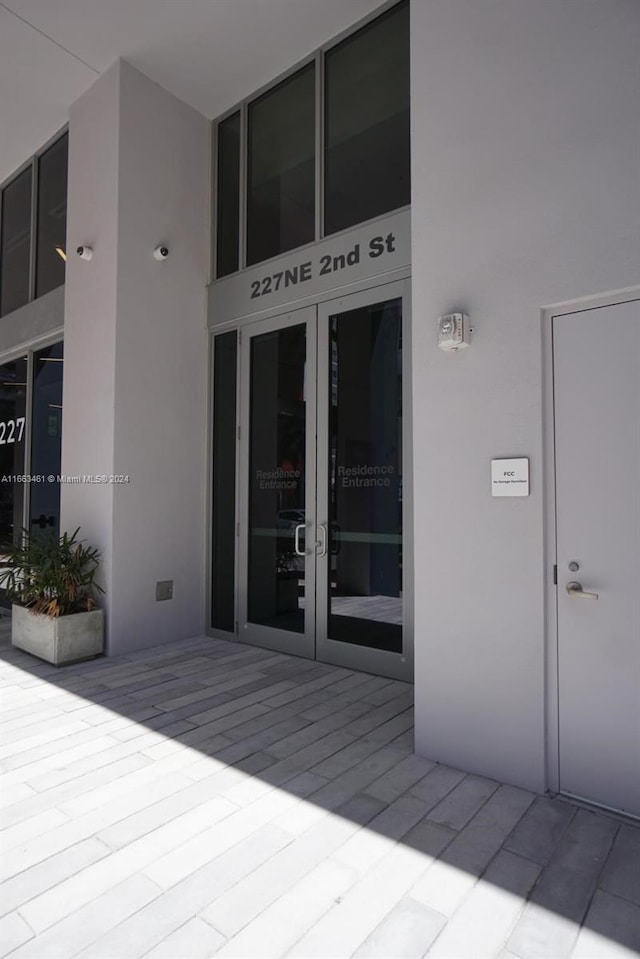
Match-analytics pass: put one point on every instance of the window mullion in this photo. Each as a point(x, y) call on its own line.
point(34, 225)
point(242, 239)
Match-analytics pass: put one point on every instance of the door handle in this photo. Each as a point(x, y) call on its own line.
point(575, 590)
point(296, 540)
point(323, 542)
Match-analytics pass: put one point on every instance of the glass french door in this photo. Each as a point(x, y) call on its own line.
point(322, 507)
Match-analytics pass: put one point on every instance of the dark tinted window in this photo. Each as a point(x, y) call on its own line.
point(52, 217)
point(281, 168)
point(16, 239)
point(224, 482)
point(365, 476)
point(13, 412)
point(228, 205)
point(46, 437)
point(367, 170)
point(277, 449)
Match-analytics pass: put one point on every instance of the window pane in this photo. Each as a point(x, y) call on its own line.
point(16, 238)
point(52, 217)
point(228, 206)
point(46, 437)
point(365, 476)
point(281, 176)
point(277, 478)
point(13, 411)
point(367, 171)
point(223, 507)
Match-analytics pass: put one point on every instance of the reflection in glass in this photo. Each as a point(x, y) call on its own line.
point(367, 161)
point(46, 437)
point(277, 478)
point(15, 246)
point(52, 217)
point(228, 196)
point(281, 174)
point(365, 476)
point(13, 411)
point(224, 482)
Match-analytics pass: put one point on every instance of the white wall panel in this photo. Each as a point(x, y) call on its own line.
point(525, 193)
point(135, 396)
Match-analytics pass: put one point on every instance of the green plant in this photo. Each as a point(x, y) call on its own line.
point(51, 575)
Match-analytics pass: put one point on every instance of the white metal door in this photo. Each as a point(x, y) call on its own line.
point(596, 355)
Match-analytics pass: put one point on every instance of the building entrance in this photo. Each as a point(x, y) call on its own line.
point(322, 557)
point(30, 445)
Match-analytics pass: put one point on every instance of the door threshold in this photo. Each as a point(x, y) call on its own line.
point(592, 806)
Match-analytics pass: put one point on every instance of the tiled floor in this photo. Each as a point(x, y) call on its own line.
point(208, 798)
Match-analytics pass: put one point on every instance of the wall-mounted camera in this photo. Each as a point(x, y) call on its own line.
point(84, 252)
point(161, 252)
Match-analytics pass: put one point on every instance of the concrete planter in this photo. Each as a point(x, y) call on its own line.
point(65, 639)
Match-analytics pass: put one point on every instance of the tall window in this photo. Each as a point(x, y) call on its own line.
point(366, 159)
point(228, 207)
point(281, 168)
point(13, 419)
point(30, 440)
point(224, 482)
point(46, 437)
point(363, 170)
point(52, 217)
point(21, 279)
point(16, 243)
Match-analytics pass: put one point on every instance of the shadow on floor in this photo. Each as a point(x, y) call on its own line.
point(210, 721)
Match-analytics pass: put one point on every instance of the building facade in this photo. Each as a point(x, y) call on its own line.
point(251, 357)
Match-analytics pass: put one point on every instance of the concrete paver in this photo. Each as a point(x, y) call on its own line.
point(207, 798)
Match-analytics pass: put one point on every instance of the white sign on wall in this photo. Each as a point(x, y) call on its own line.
point(510, 477)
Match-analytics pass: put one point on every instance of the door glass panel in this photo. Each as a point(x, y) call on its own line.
point(277, 478)
point(365, 477)
point(16, 243)
point(46, 438)
point(281, 179)
point(367, 149)
point(223, 507)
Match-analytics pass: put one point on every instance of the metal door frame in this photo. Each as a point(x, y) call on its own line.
point(298, 644)
point(380, 662)
point(552, 696)
point(310, 643)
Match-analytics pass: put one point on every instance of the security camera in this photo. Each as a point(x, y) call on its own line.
point(161, 252)
point(84, 252)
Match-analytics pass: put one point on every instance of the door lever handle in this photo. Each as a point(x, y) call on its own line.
point(576, 590)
